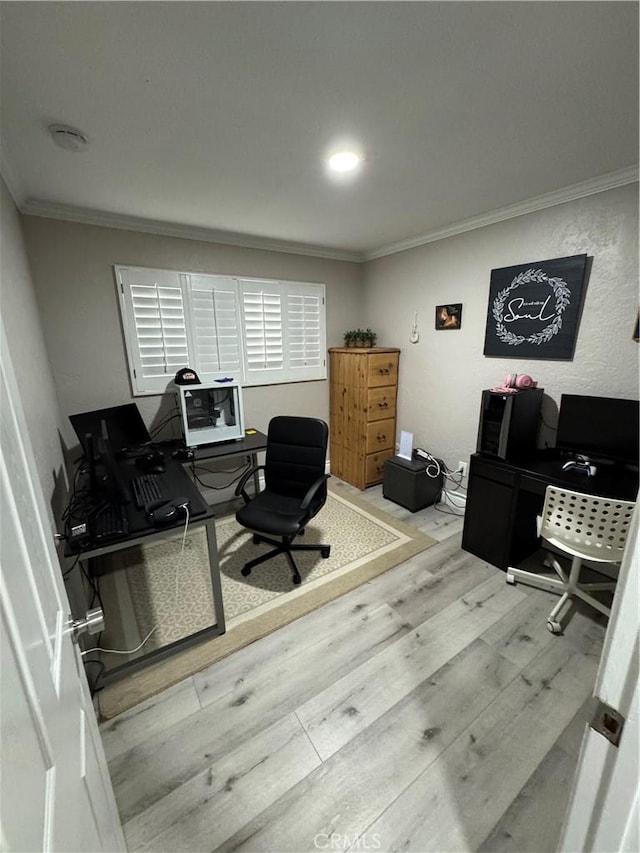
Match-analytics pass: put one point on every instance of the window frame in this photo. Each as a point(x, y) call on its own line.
point(127, 276)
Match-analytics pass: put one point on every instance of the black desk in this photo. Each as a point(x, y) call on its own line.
point(504, 499)
point(248, 446)
point(140, 531)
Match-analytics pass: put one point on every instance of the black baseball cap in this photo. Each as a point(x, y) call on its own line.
point(187, 376)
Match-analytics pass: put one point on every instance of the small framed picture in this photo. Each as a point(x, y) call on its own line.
point(449, 316)
point(636, 331)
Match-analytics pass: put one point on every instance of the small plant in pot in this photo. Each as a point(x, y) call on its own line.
point(368, 338)
point(360, 338)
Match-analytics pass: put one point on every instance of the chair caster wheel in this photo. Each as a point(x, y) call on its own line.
point(245, 572)
point(297, 579)
point(325, 552)
point(511, 579)
point(554, 627)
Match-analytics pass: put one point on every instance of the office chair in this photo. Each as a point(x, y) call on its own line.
point(295, 489)
point(586, 527)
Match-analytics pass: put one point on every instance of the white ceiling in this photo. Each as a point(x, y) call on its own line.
point(217, 115)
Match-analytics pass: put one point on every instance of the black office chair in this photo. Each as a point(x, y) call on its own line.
point(295, 489)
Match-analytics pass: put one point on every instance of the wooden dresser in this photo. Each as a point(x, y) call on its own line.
point(362, 428)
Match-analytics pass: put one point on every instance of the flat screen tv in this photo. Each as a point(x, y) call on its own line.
point(599, 427)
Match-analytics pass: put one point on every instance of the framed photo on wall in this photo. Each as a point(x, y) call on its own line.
point(449, 316)
point(534, 309)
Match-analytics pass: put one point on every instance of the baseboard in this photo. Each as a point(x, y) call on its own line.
point(457, 498)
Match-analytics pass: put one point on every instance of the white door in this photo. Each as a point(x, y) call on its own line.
point(55, 791)
point(603, 813)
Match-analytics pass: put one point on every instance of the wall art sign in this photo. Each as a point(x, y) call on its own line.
point(449, 316)
point(534, 309)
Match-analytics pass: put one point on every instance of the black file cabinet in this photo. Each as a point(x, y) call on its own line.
point(406, 482)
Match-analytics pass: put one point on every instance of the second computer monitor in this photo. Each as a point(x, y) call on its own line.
point(599, 427)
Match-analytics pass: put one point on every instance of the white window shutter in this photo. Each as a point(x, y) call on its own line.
point(305, 338)
point(215, 326)
point(263, 330)
point(155, 327)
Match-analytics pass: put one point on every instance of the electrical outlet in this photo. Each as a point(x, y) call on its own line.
point(462, 468)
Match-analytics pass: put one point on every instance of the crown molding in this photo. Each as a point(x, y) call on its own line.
point(11, 180)
point(51, 210)
point(84, 216)
point(586, 188)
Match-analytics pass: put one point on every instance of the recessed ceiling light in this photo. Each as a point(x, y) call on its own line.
point(344, 161)
point(67, 137)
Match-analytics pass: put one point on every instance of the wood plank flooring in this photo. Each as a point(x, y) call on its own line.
point(430, 709)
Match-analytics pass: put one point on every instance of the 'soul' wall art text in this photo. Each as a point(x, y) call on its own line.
point(534, 309)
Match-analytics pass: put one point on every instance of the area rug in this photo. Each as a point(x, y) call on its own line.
point(170, 588)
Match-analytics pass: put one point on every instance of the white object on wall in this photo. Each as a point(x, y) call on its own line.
point(414, 337)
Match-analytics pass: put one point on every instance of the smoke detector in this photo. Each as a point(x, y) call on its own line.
point(67, 137)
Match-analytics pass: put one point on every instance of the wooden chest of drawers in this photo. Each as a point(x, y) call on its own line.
point(362, 428)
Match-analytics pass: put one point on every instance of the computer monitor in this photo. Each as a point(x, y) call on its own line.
point(125, 426)
point(599, 427)
point(105, 479)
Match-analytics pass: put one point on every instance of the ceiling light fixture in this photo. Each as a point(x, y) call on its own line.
point(67, 137)
point(344, 161)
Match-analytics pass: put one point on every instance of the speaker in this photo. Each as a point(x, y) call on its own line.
point(164, 512)
point(508, 426)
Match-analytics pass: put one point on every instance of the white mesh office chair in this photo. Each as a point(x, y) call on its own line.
point(586, 527)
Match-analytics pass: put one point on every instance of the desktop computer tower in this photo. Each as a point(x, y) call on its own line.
point(509, 423)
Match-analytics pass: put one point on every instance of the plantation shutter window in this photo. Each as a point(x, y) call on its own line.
point(154, 316)
point(305, 311)
point(258, 331)
point(216, 326)
point(263, 331)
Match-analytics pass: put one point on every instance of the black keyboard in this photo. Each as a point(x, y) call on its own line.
point(147, 488)
point(109, 522)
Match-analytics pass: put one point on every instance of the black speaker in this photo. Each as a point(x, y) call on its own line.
point(509, 423)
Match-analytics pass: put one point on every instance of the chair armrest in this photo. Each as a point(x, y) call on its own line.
point(240, 490)
point(312, 490)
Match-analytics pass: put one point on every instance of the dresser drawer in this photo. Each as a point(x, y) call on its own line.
point(375, 466)
point(381, 435)
point(381, 403)
point(382, 369)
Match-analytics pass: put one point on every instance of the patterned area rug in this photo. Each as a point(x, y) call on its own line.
point(170, 589)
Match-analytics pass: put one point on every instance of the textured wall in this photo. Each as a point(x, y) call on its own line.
point(73, 272)
point(28, 353)
point(442, 376)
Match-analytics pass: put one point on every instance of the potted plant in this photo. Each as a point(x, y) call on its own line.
point(360, 338)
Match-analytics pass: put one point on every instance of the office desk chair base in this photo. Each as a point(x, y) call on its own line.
point(567, 586)
point(285, 547)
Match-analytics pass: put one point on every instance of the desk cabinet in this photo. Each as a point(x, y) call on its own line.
point(505, 498)
point(489, 513)
point(363, 389)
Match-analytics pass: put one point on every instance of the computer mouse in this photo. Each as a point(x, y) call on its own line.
point(152, 462)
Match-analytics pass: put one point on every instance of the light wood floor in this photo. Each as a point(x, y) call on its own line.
point(430, 709)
